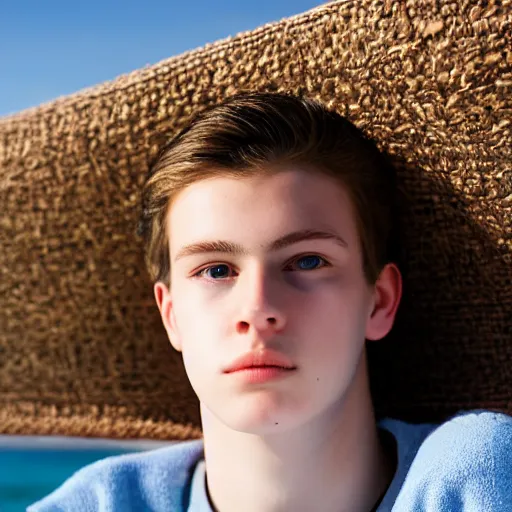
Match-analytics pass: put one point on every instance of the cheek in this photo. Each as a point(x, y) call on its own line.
point(334, 340)
point(202, 305)
point(340, 296)
point(189, 307)
point(199, 323)
point(334, 317)
point(197, 343)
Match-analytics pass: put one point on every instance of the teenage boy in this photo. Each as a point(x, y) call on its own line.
point(269, 225)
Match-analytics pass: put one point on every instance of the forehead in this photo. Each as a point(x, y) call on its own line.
point(255, 210)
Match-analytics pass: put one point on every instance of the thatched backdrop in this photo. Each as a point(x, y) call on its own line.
point(82, 347)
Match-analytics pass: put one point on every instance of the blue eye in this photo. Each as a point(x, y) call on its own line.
point(223, 271)
point(310, 262)
point(215, 272)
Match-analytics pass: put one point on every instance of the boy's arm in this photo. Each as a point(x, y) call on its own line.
point(464, 465)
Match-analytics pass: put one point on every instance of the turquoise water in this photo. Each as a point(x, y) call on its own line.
point(32, 467)
point(28, 475)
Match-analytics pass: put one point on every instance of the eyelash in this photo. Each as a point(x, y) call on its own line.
point(325, 264)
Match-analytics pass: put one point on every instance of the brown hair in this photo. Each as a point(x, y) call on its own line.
point(256, 133)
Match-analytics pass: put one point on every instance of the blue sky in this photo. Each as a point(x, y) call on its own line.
point(50, 48)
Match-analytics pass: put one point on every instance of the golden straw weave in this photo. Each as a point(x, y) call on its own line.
point(82, 347)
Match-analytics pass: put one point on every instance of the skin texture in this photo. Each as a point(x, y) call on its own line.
point(308, 441)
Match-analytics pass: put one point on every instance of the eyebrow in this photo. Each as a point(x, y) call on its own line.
point(226, 247)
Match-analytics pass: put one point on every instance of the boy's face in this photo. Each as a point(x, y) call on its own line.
point(308, 299)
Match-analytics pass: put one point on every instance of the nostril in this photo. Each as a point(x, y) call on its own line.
point(272, 320)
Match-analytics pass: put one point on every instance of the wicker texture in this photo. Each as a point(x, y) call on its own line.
point(82, 347)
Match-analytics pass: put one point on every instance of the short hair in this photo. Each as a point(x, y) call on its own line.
point(258, 133)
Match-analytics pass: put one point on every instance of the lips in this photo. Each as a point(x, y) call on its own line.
point(261, 359)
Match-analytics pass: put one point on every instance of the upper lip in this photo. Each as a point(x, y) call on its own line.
point(260, 358)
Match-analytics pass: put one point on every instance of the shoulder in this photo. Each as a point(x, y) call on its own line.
point(463, 464)
point(152, 479)
point(480, 440)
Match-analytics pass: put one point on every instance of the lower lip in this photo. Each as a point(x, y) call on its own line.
point(263, 373)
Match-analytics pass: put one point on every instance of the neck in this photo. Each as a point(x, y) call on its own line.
point(335, 462)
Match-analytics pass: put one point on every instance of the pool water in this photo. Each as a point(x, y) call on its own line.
point(31, 468)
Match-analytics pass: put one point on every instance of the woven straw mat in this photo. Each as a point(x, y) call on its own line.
point(83, 350)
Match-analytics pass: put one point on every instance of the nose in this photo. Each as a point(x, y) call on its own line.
point(258, 301)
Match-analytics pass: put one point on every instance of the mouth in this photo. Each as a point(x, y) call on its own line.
point(253, 367)
point(263, 359)
point(262, 373)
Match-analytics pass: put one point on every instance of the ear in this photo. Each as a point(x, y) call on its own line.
point(386, 298)
point(164, 301)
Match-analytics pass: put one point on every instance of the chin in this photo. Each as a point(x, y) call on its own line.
point(259, 427)
point(257, 416)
